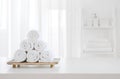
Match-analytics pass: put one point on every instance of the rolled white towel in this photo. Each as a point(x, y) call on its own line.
point(39, 46)
point(32, 56)
point(26, 45)
point(33, 35)
point(45, 56)
point(20, 56)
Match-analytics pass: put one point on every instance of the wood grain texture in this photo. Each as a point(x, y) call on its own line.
point(17, 64)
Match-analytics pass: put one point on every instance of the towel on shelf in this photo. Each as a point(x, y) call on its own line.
point(20, 56)
point(98, 40)
point(32, 56)
point(95, 43)
point(33, 35)
point(26, 45)
point(39, 46)
point(98, 45)
point(45, 56)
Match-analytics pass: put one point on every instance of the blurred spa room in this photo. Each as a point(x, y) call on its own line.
point(59, 39)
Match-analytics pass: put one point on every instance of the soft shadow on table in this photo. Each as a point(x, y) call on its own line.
point(34, 69)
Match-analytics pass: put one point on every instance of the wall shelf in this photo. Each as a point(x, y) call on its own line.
point(99, 28)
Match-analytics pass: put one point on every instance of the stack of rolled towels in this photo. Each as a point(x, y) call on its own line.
point(33, 49)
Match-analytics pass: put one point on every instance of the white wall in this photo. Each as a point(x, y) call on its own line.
point(118, 30)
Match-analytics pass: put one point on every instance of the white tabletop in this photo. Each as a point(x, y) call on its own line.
point(81, 66)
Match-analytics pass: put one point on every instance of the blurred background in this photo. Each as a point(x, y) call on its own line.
point(60, 23)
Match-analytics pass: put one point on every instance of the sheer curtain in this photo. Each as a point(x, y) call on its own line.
point(46, 16)
point(53, 22)
point(3, 14)
point(3, 27)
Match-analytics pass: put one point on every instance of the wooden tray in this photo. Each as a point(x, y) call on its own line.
point(17, 64)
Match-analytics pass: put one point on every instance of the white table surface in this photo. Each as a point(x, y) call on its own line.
point(84, 67)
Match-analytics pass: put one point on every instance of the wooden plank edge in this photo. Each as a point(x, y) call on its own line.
point(32, 63)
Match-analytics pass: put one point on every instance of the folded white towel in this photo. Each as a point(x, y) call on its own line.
point(20, 56)
point(100, 40)
point(26, 45)
point(33, 35)
point(32, 56)
point(97, 45)
point(39, 46)
point(45, 56)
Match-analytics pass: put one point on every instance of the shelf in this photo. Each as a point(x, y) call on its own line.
point(99, 49)
point(98, 28)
